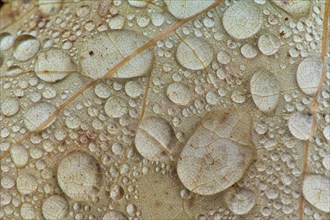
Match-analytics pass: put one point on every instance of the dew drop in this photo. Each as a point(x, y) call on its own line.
point(194, 53)
point(242, 20)
point(25, 47)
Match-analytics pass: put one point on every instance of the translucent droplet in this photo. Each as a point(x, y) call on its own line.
point(265, 90)
point(309, 74)
point(240, 201)
point(39, 115)
point(179, 93)
point(98, 55)
point(316, 190)
point(269, 44)
point(79, 176)
point(153, 138)
point(6, 41)
point(242, 20)
point(300, 125)
point(185, 9)
point(25, 47)
point(54, 65)
point(194, 53)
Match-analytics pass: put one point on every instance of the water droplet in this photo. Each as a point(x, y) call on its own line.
point(54, 65)
point(153, 138)
point(79, 176)
point(316, 190)
point(6, 41)
point(194, 53)
point(240, 201)
point(269, 44)
point(309, 74)
point(138, 3)
point(117, 22)
point(209, 163)
point(105, 50)
point(115, 107)
point(37, 115)
point(114, 215)
point(242, 20)
point(300, 125)
point(185, 9)
point(133, 89)
point(296, 9)
point(25, 47)
point(20, 155)
point(9, 106)
point(26, 183)
point(223, 57)
point(179, 93)
point(55, 207)
point(265, 90)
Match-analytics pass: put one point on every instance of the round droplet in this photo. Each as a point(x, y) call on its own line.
point(133, 89)
point(223, 57)
point(54, 65)
point(38, 117)
point(47, 7)
point(25, 47)
point(6, 41)
point(294, 8)
point(326, 162)
point(316, 190)
point(249, 51)
point(300, 125)
point(265, 90)
point(260, 2)
point(55, 208)
point(27, 211)
point(153, 138)
point(240, 201)
point(326, 132)
point(309, 74)
point(99, 54)
point(242, 20)
point(138, 3)
point(115, 107)
point(7, 182)
point(114, 215)
point(79, 176)
point(210, 163)
point(26, 183)
point(179, 93)
point(116, 192)
point(117, 22)
point(20, 155)
point(187, 8)
point(102, 90)
point(9, 106)
point(269, 44)
point(194, 53)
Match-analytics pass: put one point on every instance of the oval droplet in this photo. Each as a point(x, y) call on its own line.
point(265, 90)
point(153, 138)
point(187, 8)
point(25, 47)
point(54, 65)
point(98, 55)
point(79, 176)
point(243, 19)
point(194, 53)
point(309, 74)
